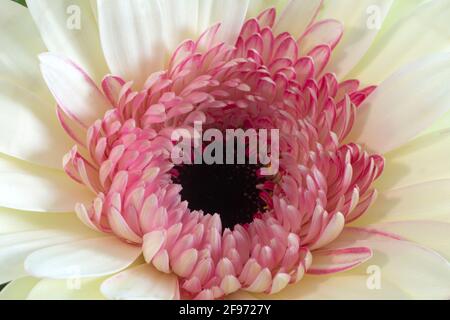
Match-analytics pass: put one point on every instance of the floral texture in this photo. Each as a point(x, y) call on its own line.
point(122, 217)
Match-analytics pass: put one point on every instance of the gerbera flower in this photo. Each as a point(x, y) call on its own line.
point(94, 206)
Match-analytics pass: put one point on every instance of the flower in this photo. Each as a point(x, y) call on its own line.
point(120, 219)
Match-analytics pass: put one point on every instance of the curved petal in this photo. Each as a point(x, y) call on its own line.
point(75, 92)
point(431, 234)
point(68, 27)
point(424, 201)
point(20, 43)
point(361, 25)
point(255, 7)
point(29, 129)
point(69, 289)
point(131, 35)
point(141, 282)
point(15, 247)
point(13, 221)
point(338, 260)
point(18, 289)
point(423, 32)
point(27, 187)
point(405, 104)
point(422, 160)
point(297, 16)
point(84, 259)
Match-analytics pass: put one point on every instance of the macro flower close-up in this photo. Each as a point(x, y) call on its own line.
point(225, 149)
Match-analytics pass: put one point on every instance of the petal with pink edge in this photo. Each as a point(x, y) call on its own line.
point(338, 260)
point(297, 16)
point(75, 92)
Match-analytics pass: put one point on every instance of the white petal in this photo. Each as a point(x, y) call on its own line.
point(132, 38)
point(422, 160)
point(20, 43)
point(69, 289)
point(75, 92)
point(68, 27)
point(425, 201)
point(18, 289)
point(362, 20)
point(231, 15)
point(431, 234)
point(141, 282)
point(29, 129)
point(297, 16)
point(404, 105)
point(84, 259)
point(28, 187)
point(12, 221)
point(255, 7)
point(423, 32)
point(179, 20)
point(15, 247)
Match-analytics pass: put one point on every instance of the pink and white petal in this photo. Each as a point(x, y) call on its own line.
point(18, 289)
point(141, 282)
point(403, 105)
point(422, 160)
point(68, 289)
point(338, 260)
point(426, 29)
point(28, 187)
point(15, 247)
point(68, 27)
point(431, 234)
point(361, 25)
point(131, 35)
point(418, 271)
point(20, 44)
point(29, 129)
point(73, 89)
point(230, 14)
point(424, 201)
point(255, 7)
point(323, 32)
point(87, 258)
point(297, 16)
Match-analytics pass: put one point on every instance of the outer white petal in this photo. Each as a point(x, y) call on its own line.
point(69, 289)
point(73, 89)
point(18, 289)
point(231, 14)
point(431, 234)
point(132, 38)
point(362, 20)
point(423, 32)
point(179, 20)
point(68, 27)
point(28, 187)
point(257, 6)
point(422, 160)
point(15, 247)
point(13, 221)
point(20, 43)
point(405, 104)
point(141, 282)
point(29, 129)
point(425, 201)
point(84, 259)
